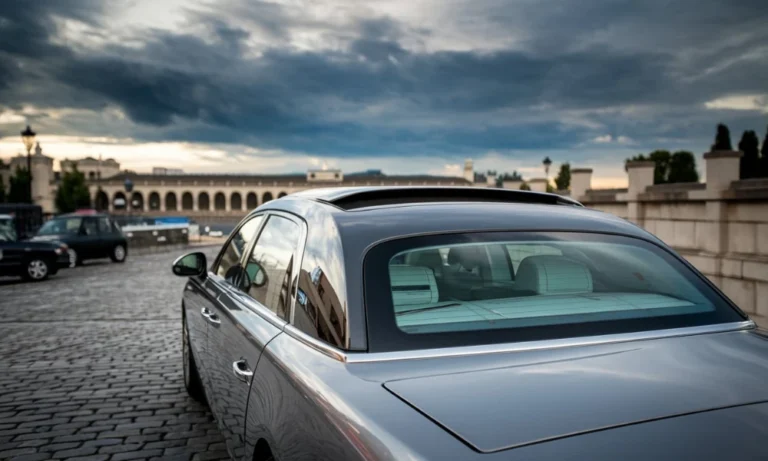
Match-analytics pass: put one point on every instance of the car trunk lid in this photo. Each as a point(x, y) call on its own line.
point(498, 408)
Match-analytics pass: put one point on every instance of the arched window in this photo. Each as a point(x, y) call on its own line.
point(267, 197)
point(251, 201)
point(137, 201)
point(154, 201)
point(236, 201)
point(281, 195)
point(219, 201)
point(170, 201)
point(102, 200)
point(187, 201)
point(118, 201)
point(203, 201)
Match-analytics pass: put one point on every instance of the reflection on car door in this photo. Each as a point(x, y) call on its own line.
point(252, 312)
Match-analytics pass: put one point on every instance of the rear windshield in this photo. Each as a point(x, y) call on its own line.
point(453, 290)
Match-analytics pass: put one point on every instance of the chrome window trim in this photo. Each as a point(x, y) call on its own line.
point(367, 357)
point(314, 343)
point(256, 307)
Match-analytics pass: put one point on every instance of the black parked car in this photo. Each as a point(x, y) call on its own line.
point(90, 236)
point(27, 259)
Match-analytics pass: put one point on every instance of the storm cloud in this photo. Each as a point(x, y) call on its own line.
point(447, 79)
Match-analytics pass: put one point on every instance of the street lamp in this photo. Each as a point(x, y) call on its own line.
point(546, 162)
point(128, 190)
point(28, 138)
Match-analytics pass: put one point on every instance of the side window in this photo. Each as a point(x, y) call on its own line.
point(270, 264)
point(90, 226)
point(105, 227)
point(320, 304)
point(231, 253)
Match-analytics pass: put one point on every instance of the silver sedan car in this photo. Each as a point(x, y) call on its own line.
point(465, 324)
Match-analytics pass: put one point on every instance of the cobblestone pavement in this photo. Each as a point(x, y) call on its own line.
point(90, 367)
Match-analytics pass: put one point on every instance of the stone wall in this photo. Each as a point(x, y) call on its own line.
point(721, 227)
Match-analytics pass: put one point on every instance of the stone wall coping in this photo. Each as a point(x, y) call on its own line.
point(581, 170)
point(537, 180)
point(723, 154)
point(641, 164)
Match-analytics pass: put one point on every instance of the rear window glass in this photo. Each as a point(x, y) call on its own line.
point(501, 287)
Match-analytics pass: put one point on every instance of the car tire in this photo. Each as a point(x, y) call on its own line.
point(118, 254)
point(192, 380)
point(36, 269)
point(74, 258)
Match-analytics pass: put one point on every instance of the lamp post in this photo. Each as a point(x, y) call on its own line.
point(547, 163)
point(128, 190)
point(28, 138)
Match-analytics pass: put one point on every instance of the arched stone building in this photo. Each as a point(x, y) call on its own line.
point(229, 194)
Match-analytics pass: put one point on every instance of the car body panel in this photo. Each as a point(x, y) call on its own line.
point(14, 255)
point(590, 388)
point(197, 297)
point(241, 334)
point(736, 433)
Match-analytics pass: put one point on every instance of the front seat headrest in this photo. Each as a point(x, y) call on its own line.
point(468, 256)
point(553, 274)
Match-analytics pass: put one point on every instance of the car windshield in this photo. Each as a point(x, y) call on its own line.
point(520, 286)
point(61, 226)
point(7, 231)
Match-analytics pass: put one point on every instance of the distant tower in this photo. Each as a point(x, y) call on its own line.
point(469, 171)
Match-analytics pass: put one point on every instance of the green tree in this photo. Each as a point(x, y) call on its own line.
point(661, 158)
point(682, 167)
point(72, 193)
point(19, 187)
point(722, 138)
point(750, 160)
point(563, 178)
point(525, 186)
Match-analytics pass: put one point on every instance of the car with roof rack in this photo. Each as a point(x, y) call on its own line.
point(465, 323)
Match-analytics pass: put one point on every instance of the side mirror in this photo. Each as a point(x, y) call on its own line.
point(190, 265)
point(256, 274)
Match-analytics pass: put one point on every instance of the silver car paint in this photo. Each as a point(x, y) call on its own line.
point(309, 405)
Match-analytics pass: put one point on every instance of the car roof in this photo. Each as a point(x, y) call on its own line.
point(380, 213)
point(352, 231)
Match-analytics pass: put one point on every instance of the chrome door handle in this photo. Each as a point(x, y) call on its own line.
point(241, 370)
point(210, 316)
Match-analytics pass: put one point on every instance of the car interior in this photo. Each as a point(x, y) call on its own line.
point(496, 282)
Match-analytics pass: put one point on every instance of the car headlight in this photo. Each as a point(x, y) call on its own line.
point(61, 250)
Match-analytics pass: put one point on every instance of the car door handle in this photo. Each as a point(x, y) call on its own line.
point(241, 370)
point(210, 316)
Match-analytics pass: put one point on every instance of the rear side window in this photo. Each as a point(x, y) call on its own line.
point(105, 226)
point(270, 265)
point(502, 287)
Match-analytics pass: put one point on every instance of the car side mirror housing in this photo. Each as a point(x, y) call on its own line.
point(191, 265)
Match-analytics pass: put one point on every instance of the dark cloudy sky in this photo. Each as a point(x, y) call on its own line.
point(401, 85)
